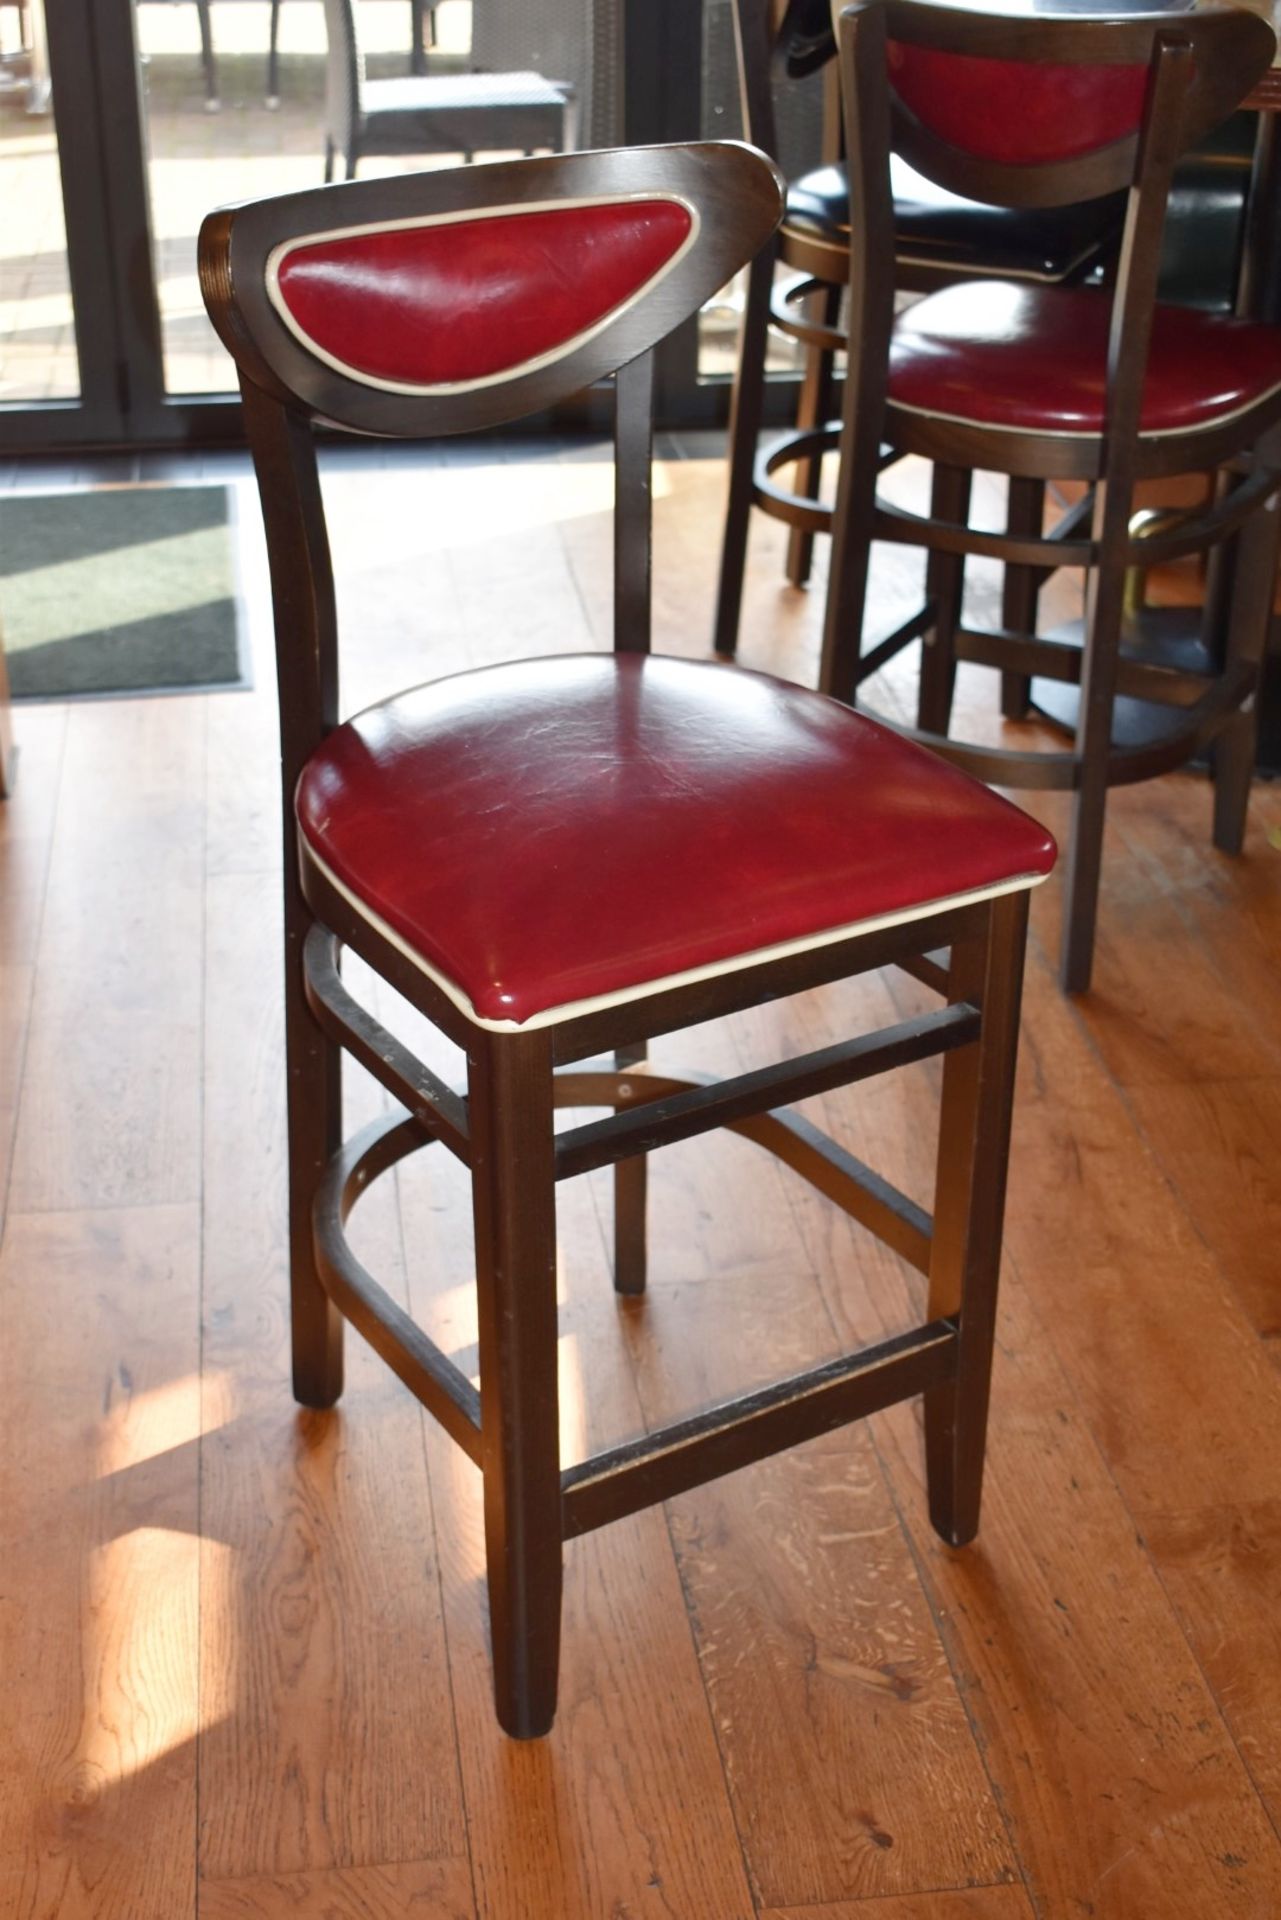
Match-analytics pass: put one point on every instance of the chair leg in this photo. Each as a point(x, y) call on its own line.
point(314, 1070)
point(969, 1207)
point(417, 48)
point(329, 161)
point(813, 409)
point(1093, 746)
point(1253, 586)
point(1234, 757)
point(853, 527)
point(1081, 883)
point(207, 59)
point(1019, 594)
point(944, 586)
point(273, 56)
point(631, 1184)
point(744, 433)
point(514, 1211)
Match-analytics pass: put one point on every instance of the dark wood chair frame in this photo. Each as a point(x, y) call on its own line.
point(804, 307)
point(502, 1125)
point(1201, 65)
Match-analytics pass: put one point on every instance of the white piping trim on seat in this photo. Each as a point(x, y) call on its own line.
point(1083, 433)
point(279, 253)
point(596, 1003)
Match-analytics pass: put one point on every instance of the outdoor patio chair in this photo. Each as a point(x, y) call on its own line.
point(447, 113)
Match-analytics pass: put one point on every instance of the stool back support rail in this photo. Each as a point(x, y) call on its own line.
point(286, 282)
point(927, 82)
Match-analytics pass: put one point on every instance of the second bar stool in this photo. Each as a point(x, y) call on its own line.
point(938, 237)
point(1096, 385)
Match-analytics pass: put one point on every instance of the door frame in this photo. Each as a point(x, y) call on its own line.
point(100, 119)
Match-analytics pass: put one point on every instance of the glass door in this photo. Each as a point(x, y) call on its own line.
point(59, 369)
point(240, 98)
point(122, 122)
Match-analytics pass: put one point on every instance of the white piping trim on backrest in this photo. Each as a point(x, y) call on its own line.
point(596, 1003)
point(281, 252)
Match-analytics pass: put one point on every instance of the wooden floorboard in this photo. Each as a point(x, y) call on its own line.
point(847, 1708)
point(421, 1890)
point(1088, 1704)
point(111, 1102)
point(623, 1808)
point(26, 838)
point(323, 1658)
point(244, 1649)
point(100, 1564)
point(976, 1903)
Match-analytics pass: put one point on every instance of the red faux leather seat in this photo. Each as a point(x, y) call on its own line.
point(550, 832)
point(1035, 358)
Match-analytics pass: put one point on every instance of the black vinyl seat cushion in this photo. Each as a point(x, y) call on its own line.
point(938, 229)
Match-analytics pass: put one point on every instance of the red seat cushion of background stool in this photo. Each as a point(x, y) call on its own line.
point(549, 831)
point(1036, 358)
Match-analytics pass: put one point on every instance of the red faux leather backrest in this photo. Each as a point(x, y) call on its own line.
point(452, 302)
point(1017, 112)
point(1036, 107)
point(461, 298)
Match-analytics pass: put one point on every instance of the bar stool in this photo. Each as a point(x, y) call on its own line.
point(938, 237)
point(555, 857)
point(1090, 384)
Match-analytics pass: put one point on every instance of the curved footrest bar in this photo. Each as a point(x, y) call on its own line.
point(1060, 548)
point(1201, 723)
point(430, 1375)
point(810, 333)
point(810, 516)
point(1045, 770)
point(440, 1111)
point(1050, 659)
point(1222, 518)
point(1048, 770)
point(798, 509)
point(1050, 550)
point(691, 1452)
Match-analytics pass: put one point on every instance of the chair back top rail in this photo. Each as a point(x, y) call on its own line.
point(449, 302)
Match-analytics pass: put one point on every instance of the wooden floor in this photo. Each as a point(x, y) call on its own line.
point(243, 1664)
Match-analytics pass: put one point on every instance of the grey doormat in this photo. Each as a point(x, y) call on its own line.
point(119, 590)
